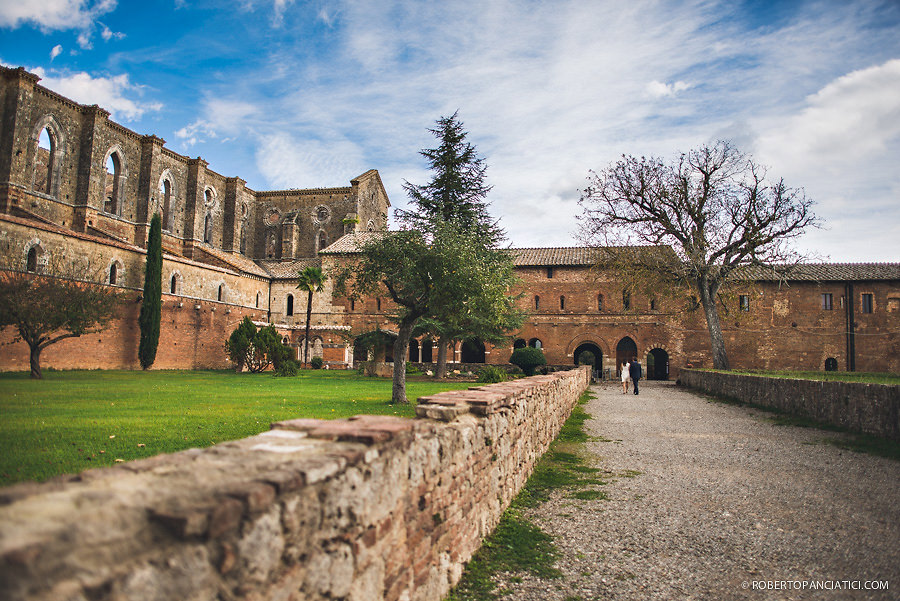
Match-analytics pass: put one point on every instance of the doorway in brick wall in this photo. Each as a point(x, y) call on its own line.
point(626, 350)
point(583, 354)
point(657, 364)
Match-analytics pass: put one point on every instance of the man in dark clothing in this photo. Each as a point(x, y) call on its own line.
point(634, 370)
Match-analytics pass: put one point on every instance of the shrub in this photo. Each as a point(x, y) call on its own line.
point(316, 362)
point(528, 358)
point(412, 370)
point(287, 368)
point(490, 374)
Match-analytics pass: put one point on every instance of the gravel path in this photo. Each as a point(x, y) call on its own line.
point(723, 497)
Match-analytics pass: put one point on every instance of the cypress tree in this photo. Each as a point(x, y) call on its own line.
point(151, 307)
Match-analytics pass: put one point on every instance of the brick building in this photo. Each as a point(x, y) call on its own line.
point(74, 182)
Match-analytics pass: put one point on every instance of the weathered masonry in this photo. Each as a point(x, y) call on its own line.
point(74, 182)
point(364, 509)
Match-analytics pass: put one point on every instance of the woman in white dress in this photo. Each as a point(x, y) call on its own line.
point(626, 377)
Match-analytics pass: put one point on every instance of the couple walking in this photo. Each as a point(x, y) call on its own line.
point(631, 372)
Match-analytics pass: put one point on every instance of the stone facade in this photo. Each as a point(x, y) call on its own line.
point(364, 509)
point(74, 182)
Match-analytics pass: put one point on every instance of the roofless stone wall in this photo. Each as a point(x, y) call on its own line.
point(867, 408)
point(368, 508)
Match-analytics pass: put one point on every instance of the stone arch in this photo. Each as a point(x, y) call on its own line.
point(831, 364)
point(115, 273)
point(588, 338)
point(536, 343)
point(520, 343)
point(45, 175)
point(657, 363)
point(208, 228)
point(210, 198)
point(167, 200)
point(175, 281)
point(414, 350)
point(370, 226)
point(289, 305)
point(321, 240)
point(594, 349)
point(472, 351)
point(626, 349)
point(427, 349)
point(221, 292)
point(114, 183)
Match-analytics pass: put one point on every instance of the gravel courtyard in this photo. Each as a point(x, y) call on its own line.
point(706, 499)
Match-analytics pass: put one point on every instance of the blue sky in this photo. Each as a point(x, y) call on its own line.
point(286, 93)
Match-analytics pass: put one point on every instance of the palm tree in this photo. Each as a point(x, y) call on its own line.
point(311, 280)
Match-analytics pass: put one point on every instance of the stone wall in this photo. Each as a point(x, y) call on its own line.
point(868, 408)
point(368, 508)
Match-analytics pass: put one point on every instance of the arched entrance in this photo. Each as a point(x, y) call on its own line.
point(626, 350)
point(472, 351)
point(427, 345)
point(414, 351)
point(519, 343)
point(658, 365)
point(360, 351)
point(593, 349)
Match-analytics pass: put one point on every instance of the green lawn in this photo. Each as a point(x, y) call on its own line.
point(829, 376)
point(74, 420)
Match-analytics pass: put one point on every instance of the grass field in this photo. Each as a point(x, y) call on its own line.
point(74, 420)
point(829, 376)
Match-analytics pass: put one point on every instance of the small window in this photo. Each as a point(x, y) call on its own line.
point(378, 304)
point(207, 228)
point(173, 285)
point(831, 364)
point(537, 303)
point(519, 343)
point(744, 300)
point(599, 302)
point(550, 273)
point(867, 303)
point(257, 300)
point(827, 302)
point(165, 193)
point(352, 304)
point(221, 295)
point(31, 260)
point(562, 303)
point(112, 183)
point(113, 273)
point(653, 304)
point(290, 304)
point(626, 300)
point(536, 343)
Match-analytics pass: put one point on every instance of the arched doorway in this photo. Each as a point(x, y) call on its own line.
point(831, 364)
point(626, 350)
point(360, 351)
point(414, 351)
point(657, 364)
point(519, 343)
point(593, 349)
point(472, 351)
point(427, 346)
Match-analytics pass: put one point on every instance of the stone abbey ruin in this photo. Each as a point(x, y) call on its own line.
point(72, 182)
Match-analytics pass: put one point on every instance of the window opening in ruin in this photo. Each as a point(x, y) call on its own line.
point(43, 162)
point(173, 284)
point(207, 228)
point(626, 300)
point(599, 302)
point(537, 303)
point(536, 343)
point(352, 304)
point(378, 304)
point(290, 304)
point(414, 351)
point(165, 192)
point(243, 246)
point(744, 300)
point(31, 260)
point(550, 273)
point(113, 272)
point(519, 343)
point(322, 241)
point(113, 174)
point(257, 300)
point(657, 364)
point(653, 304)
point(867, 305)
point(562, 303)
point(427, 346)
point(221, 296)
point(472, 351)
point(828, 302)
point(831, 364)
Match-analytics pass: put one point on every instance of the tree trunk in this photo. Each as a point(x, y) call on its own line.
point(716, 340)
point(35, 359)
point(306, 335)
point(401, 349)
point(441, 369)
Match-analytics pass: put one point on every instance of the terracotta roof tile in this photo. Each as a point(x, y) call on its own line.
point(286, 270)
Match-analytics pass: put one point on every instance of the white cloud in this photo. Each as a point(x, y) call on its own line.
point(221, 117)
point(107, 34)
point(84, 40)
point(112, 93)
point(50, 15)
point(658, 89)
point(288, 162)
point(56, 51)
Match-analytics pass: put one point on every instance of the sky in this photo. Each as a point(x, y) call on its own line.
point(291, 94)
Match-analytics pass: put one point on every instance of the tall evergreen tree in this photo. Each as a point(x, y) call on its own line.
point(151, 307)
point(457, 194)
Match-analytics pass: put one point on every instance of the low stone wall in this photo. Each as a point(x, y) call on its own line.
point(368, 508)
point(868, 408)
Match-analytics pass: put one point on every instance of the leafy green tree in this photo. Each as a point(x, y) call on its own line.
point(713, 206)
point(151, 305)
point(528, 358)
point(66, 300)
point(311, 280)
point(423, 275)
point(254, 348)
